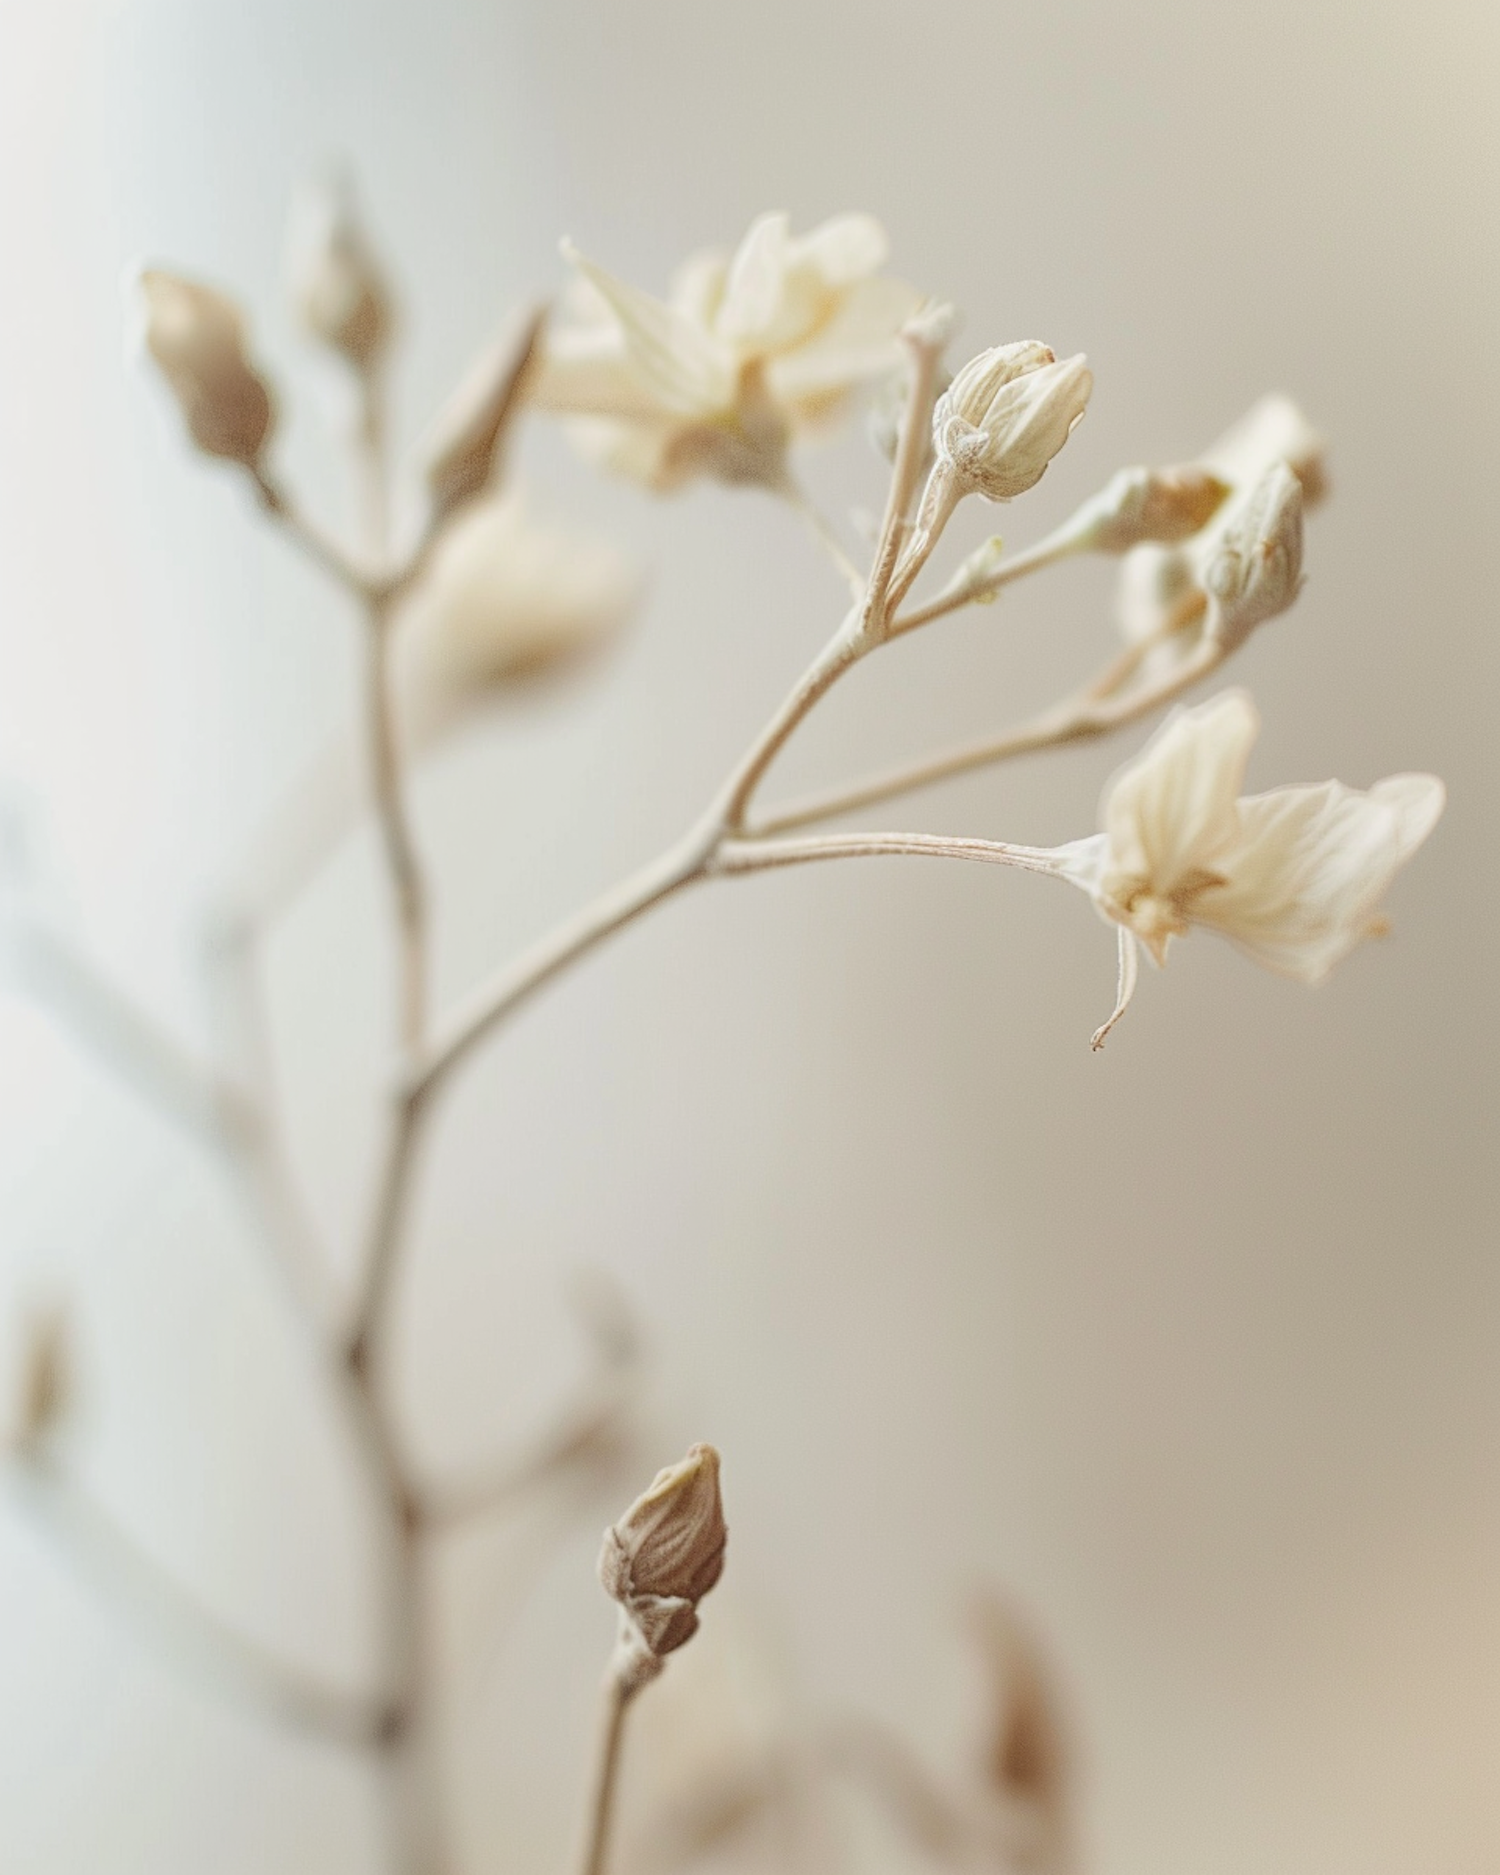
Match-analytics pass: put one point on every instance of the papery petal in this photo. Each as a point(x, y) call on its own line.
point(697, 290)
point(845, 248)
point(591, 373)
point(1272, 430)
point(753, 291)
point(1171, 813)
point(689, 373)
point(1305, 880)
point(858, 344)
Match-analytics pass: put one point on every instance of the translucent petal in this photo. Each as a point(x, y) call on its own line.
point(1171, 813)
point(1311, 866)
point(681, 363)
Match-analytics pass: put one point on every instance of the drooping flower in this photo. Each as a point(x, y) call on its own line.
point(1294, 877)
point(197, 337)
point(748, 352)
point(1165, 594)
point(508, 597)
point(1006, 415)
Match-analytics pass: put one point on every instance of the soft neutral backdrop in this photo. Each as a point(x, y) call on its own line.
point(1193, 1344)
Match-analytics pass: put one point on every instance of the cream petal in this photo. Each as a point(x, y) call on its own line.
point(590, 373)
point(857, 345)
point(1272, 430)
point(1311, 865)
point(845, 248)
point(681, 362)
point(753, 292)
point(1171, 812)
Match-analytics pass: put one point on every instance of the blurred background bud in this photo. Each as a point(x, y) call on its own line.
point(196, 335)
point(337, 285)
point(467, 439)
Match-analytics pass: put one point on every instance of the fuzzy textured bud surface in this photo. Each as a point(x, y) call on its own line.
point(1006, 415)
point(664, 1555)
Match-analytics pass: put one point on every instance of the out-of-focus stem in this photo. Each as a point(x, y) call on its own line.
point(182, 1628)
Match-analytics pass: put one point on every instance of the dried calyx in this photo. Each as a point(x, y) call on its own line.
point(660, 1560)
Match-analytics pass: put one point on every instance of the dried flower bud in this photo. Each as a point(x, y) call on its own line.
point(197, 337)
point(44, 1389)
point(468, 435)
point(337, 286)
point(1006, 415)
point(1164, 505)
point(662, 1558)
point(1256, 572)
point(1026, 1756)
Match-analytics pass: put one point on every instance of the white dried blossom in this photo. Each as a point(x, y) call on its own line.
point(748, 353)
point(662, 1558)
point(197, 337)
point(508, 597)
point(1004, 417)
point(1294, 877)
point(337, 285)
point(1163, 594)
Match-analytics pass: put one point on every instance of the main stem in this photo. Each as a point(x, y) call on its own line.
point(618, 1693)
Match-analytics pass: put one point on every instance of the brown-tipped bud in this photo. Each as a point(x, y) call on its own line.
point(468, 436)
point(197, 337)
point(337, 284)
point(1006, 415)
point(1026, 1755)
point(664, 1555)
point(1256, 572)
point(1164, 505)
point(44, 1381)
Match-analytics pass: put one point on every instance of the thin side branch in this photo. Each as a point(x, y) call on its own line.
point(182, 1628)
point(1078, 720)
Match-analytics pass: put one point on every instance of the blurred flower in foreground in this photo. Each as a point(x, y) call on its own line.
point(1294, 877)
point(1027, 1760)
point(1165, 590)
point(337, 286)
point(507, 598)
point(197, 337)
point(748, 352)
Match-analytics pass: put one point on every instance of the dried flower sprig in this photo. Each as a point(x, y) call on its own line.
point(750, 354)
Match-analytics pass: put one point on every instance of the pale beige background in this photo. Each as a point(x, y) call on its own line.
point(1193, 1344)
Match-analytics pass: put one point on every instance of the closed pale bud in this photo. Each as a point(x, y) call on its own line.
point(663, 1557)
point(197, 337)
point(469, 433)
point(1006, 415)
point(1163, 505)
point(1256, 572)
point(337, 286)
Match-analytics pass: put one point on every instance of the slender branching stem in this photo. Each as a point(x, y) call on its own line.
point(741, 856)
point(616, 1696)
point(1077, 720)
point(925, 349)
point(1061, 544)
point(181, 1627)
